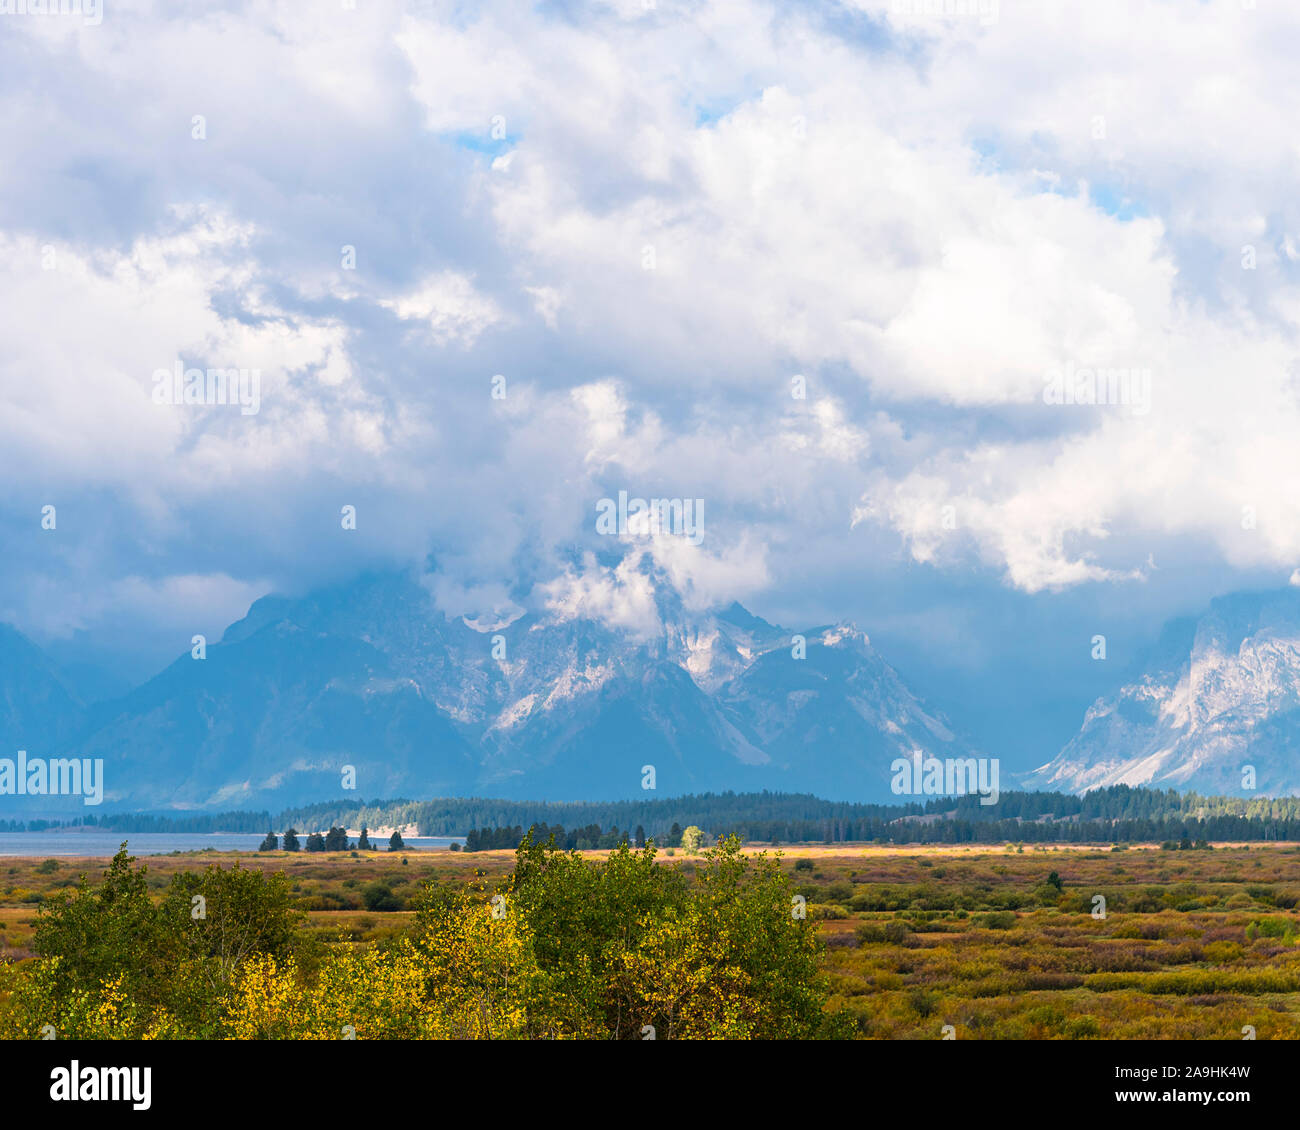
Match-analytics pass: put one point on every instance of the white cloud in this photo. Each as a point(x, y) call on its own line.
point(622, 596)
point(456, 312)
point(708, 578)
point(184, 604)
point(649, 221)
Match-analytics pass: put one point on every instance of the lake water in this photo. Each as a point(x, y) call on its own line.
point(160, 843)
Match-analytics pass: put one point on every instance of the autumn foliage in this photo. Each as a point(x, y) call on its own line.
point(567, 947)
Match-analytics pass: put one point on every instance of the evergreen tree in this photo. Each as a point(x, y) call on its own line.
point(291, 840)
point(364, 844)
point(271, 843)
point(315, 842)
point(395, 842)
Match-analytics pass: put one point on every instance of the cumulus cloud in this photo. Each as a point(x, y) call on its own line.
point(648, 222)
point(622, 596)
point(454, 310)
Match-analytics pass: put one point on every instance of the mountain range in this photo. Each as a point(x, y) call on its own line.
point(368, 686)
point(1214, 708)
point(370, 675)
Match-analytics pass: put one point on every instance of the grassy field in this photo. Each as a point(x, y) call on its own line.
point(996, 943)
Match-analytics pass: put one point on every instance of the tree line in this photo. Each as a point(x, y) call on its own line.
point(1117, 813)
point(336, 839)
point(587, 838)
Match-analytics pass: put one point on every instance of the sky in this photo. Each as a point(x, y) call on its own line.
point(826, 266)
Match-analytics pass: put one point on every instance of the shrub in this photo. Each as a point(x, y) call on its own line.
point(839, 891)
point(379, 896)
point(1083, 1028)
point(896, 932)
point(1045, 1016)
point(922, 1002)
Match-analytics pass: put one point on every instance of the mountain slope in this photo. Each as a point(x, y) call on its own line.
point(1220, 693)
point(37, 709)
point(273, 715)
point(836, 718)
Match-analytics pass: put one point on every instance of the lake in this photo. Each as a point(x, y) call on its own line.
point(160, 843)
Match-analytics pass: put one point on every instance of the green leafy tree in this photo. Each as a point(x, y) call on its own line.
point(113, 963)
point(221, 919)
point(735, 962)
point(584, 918)
point(106, 931)
point(692, 838)
point(625, 943)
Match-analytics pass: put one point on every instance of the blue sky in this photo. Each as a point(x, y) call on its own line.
point(649, 221)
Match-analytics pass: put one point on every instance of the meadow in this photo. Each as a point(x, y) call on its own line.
point(969, 942)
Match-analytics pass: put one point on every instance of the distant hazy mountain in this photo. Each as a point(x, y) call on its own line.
point(38, 710)
point(1220, 693)
point(371, 675)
